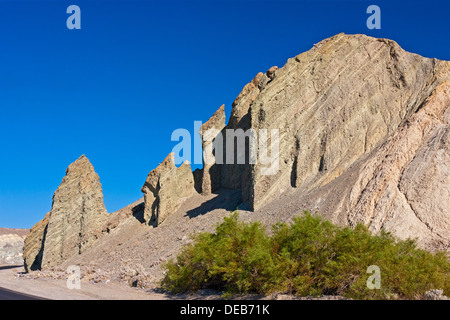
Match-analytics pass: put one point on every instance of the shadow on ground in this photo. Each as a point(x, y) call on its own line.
point(224, 199)
point(11, 266)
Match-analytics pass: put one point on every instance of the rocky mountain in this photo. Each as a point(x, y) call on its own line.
point(361, 135)
point(75, 221)
point(363, 131)
point(11, 243)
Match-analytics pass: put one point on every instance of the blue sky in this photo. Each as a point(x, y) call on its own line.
point(137, 70)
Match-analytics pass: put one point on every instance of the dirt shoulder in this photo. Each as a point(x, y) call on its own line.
point(10, 278)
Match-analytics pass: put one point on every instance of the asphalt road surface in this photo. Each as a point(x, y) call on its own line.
point(6, 294)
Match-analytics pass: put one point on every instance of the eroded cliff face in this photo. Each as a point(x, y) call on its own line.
point(33, 247)
point(332, 105)
point(165, 189)
point(208, 133)
point(75, 221)
point(353, 106)
point(363, 137)
point(405, 186)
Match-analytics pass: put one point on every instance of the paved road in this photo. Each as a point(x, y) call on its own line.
point(6, 294)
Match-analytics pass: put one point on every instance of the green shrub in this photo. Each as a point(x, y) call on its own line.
point(310, 256)
point(236, 258)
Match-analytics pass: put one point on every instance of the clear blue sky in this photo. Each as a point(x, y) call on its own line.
point(137, 70)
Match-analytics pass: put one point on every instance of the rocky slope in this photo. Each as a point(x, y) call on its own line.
point(363, 130)
point(361, 118)
point(332, 105)
point(11, 243)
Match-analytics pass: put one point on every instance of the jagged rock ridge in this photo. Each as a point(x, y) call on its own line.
point(165, 188)
point(363, 137)
point(77, 216)
point(350, 99)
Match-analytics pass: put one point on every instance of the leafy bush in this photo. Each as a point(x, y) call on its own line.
point(310, 256)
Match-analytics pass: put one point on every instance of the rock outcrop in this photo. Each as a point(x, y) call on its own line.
point(352, 99)
point(405, 186)
point(234, 175)
point(77, 216)
point(331, 105)
point(363, 131)
point(209, 131)
point(33, 247)
point(165, 189)
point(11, 243)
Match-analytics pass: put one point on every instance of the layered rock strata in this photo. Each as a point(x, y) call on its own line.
point(165, 189)
point(75, 221)
point(363, 131)
point(331, 106)
point(210, 133)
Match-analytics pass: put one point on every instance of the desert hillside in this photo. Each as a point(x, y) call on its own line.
point(363, 131)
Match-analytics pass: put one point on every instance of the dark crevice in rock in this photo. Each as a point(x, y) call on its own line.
point(37, 263)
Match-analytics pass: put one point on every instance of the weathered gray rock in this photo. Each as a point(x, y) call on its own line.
point(75, 221)
point(363, 131)
point(402, 186)
point(165, 189)
point(405, 186)
point(435, 294)
point(33, 247)
point(208, 133)
point(334, 104)
point(232, 174)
